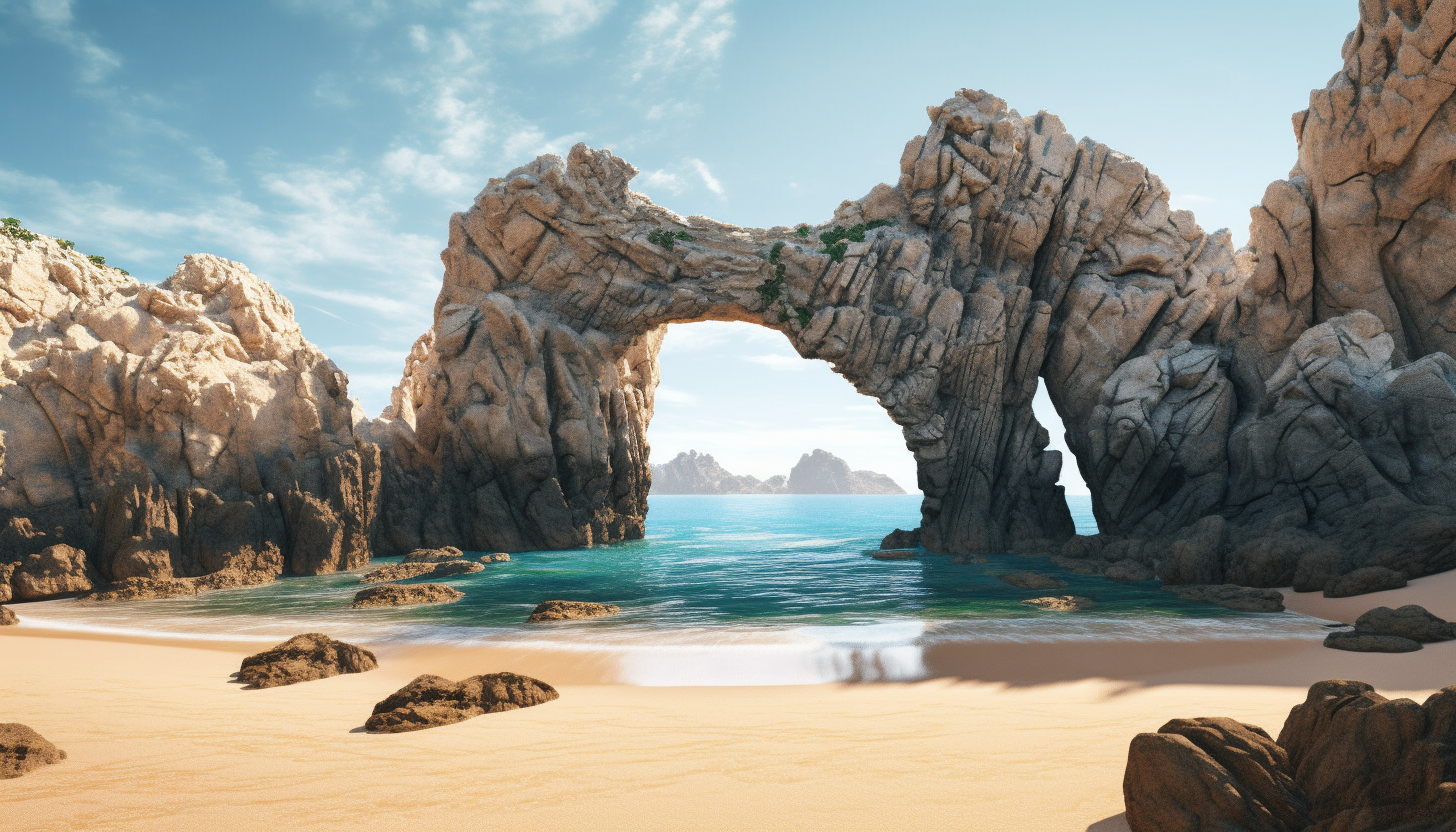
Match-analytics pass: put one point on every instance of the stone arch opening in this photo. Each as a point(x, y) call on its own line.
point(741, 394)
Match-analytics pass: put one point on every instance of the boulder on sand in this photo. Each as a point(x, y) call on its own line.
point(23, 750)
point(1411, 621)
point(7, 617)
point(397, 595)
point(570, 611)
point(1364, 581)
point(304, 658)
point(1357, 642)
point(1032, 580)
point(431, 701)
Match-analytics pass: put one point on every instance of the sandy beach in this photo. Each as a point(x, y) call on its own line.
point(1005, 736)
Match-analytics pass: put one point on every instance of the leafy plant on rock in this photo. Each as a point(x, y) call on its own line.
point(667, 238)
point(14, 231)
point(837, 239)
point(97, 259)
point(66, 244)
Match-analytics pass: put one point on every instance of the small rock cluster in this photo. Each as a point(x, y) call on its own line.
point(1347, 760)
point(570, 611)
point(304, 658)
point(1386, 630)
point(399, 595)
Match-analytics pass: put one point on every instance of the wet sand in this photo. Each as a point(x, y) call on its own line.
point(1005, 736)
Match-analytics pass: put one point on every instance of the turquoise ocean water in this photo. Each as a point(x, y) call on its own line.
point(733, 589)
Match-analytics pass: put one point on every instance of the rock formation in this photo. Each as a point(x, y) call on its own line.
point(1347, 759)
point(23, 750)
point(142, 589)
point(1231, 596)
point(818, 473)
point(7, 617)
point(693, 473)
point(431, 701)
point(1032, 580)
point(1061, 603)
point(398, 595)
point(570, 611)
point(1384, 630)
point(824, 473)
point(304, 658)
point(167, 431)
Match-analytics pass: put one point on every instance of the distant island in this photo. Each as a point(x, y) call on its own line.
point(819, 472)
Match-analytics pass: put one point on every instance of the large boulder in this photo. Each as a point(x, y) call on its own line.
point(1364, 581)
point(23, 750)
point(570, 611)
point(399, 595)
point(423, 569)
point(1357, 642)
point(1411, 621)
point(440, 555)
point(55, 572)
point(1230, 596)
point(432, 701)
point(1032, 580)
point(1211, 774)
point(304, 658)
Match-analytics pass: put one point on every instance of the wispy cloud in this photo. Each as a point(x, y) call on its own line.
point(709, 180)
point(678, 36)
point(56, 22)
point(675, 396)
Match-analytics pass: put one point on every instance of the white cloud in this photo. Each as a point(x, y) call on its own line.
point(677, 36)
point(675, 396)
point(529, 142)
point(56, 23)
point(709, 180)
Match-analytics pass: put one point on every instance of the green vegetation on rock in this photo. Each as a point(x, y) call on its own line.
point(667, 238)
point(837, 239)
point(12, 229)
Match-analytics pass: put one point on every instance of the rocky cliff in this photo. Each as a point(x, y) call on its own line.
point(818, 473)
point(821, 472)
point(170, 430)
point(1296, 391)
point(693, 473)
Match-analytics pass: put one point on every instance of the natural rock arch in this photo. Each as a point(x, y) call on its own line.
point(1009, 249)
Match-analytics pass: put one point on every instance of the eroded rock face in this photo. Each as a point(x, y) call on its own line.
point(1347, 760)
point(23, 750)
point(431, 701)
point(693, 473)
point(1299, 389)
point(1411, 621)
point(1230, 596)
point(144, 589)
point(304, 658)
point(171, 430)
point(821, 472)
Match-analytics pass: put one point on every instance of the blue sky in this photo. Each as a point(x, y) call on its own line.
point(325, 142)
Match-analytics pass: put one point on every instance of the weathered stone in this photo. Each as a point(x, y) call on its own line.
point(397, 595)
point(896, 554)
point(451, 568)
point(495, 557)
point(431, 701)
point(441, 555)
point(821, 472)
point(1272, 560)
point(23, 750)
point(901, 539)
point(1230, 596)
point(1364, 581)
point(7, 617)
point(1196, 556)
point(1061, 603)
point(570, 611)
point(143, 589)
point(1410, 621)
point(694, 473)
point(397, 572)
point(1357, 642)
point(1211, 774)
point(1032, 580)
point(54, 572)
point(1077, 566)
point(171, 430)
point(304, 658)
point(1128, 571)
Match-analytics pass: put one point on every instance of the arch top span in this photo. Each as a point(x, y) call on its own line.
point(1006, 251)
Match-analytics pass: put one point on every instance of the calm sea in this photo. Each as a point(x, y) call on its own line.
point(734, 589)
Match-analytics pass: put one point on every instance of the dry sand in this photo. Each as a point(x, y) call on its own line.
point(1008, 737)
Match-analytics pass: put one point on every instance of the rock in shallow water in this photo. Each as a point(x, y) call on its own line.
point(395, 595)
point(1230, 596)
point(431, 701)
point(1357, 642)
point(1032, 580)
point(440, 555)
point(304, 658)
point(495, 557)
point(428, 569)
point(23, 750)
point(1062, 603)
point(146, 589)
point(570, 611)
point(1410, 621)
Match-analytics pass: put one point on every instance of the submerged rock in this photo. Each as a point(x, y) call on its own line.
point(397, 572)
point(570, 611)
point(23, 750)
point(1357, 642)
point(1364, 581)
point(901, 539)
point(144, 589)
point(1062, 603)
point(1410, 621)
point(399, 595)
point(495, 557)
point(431, 701)
point(7, 617)
point(1032, 580)
point(451, 568)
point(896, 554)
point(304, 658)
point(1230, 596)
